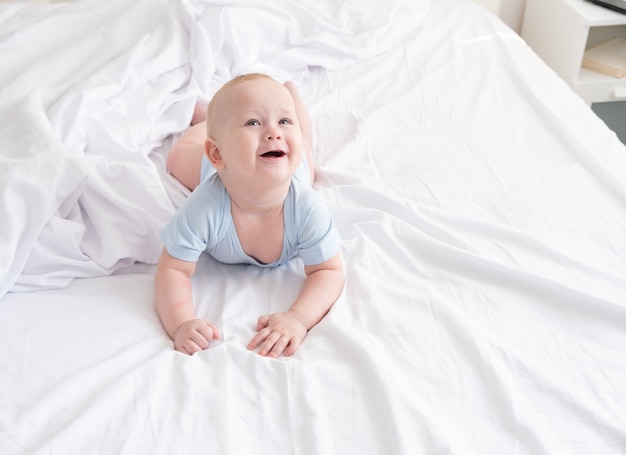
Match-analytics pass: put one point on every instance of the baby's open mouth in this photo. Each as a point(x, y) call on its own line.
point(273, 154)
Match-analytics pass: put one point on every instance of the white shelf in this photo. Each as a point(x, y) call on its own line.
point(596, 87)
point(596, 15)
point(559, 31)
point(587, 76)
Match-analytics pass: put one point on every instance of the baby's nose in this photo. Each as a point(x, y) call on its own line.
point(272, 133)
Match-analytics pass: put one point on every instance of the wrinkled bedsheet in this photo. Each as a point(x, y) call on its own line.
point(481, 207)
point(92, 91)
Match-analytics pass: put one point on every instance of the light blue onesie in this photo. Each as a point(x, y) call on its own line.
point(204, 223)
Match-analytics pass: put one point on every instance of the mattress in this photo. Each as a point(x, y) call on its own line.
point(481, 207)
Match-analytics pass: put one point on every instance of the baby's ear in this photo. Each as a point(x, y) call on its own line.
point(213, 153)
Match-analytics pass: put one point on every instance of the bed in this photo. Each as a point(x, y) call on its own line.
point(481, 206)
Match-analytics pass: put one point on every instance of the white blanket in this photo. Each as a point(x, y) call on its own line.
point(93, 90)
point(482, 211)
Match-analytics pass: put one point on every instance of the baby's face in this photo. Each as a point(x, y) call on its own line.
point(256, 130)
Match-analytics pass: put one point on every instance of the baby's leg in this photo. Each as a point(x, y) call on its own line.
point(199, 114)
point(185, 157)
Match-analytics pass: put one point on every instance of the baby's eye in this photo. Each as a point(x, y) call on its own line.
point(253, 122)
point(285, 121)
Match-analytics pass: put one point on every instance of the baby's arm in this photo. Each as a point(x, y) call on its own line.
point(282, 333)
point(174, 305)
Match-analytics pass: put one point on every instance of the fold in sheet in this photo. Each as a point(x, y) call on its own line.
point(89, 102)
point(482, 211)
point(102, 87)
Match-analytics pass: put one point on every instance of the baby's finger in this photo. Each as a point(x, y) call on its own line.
point(201, 340)
point(269, 344)
point(216, 332)
point(189, 347)
point(262, 322)
point(208, 331)
point(293, 346)
point(279, 347)
point(258, 339)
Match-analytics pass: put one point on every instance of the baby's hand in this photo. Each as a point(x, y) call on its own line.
point(194, 335)
point(279, 333)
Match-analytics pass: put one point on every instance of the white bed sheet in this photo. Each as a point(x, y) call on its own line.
point(92, 88)
point(482, 212)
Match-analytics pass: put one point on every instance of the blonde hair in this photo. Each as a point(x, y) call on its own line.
point(211, 109)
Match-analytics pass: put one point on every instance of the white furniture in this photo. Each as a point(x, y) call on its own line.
point(560, 31)
point(491, 5)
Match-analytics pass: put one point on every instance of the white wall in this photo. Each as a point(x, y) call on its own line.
point(512, 12)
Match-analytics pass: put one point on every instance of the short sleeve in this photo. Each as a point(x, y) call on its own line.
point(194, 228)
point(182, 240)
point(318, 240)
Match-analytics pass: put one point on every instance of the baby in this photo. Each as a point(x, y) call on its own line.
point(250, 168)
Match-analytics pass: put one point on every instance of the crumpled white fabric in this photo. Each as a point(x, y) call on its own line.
point(84, 105)
point(286, 39)
point(91, 94)
point(482, 211)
